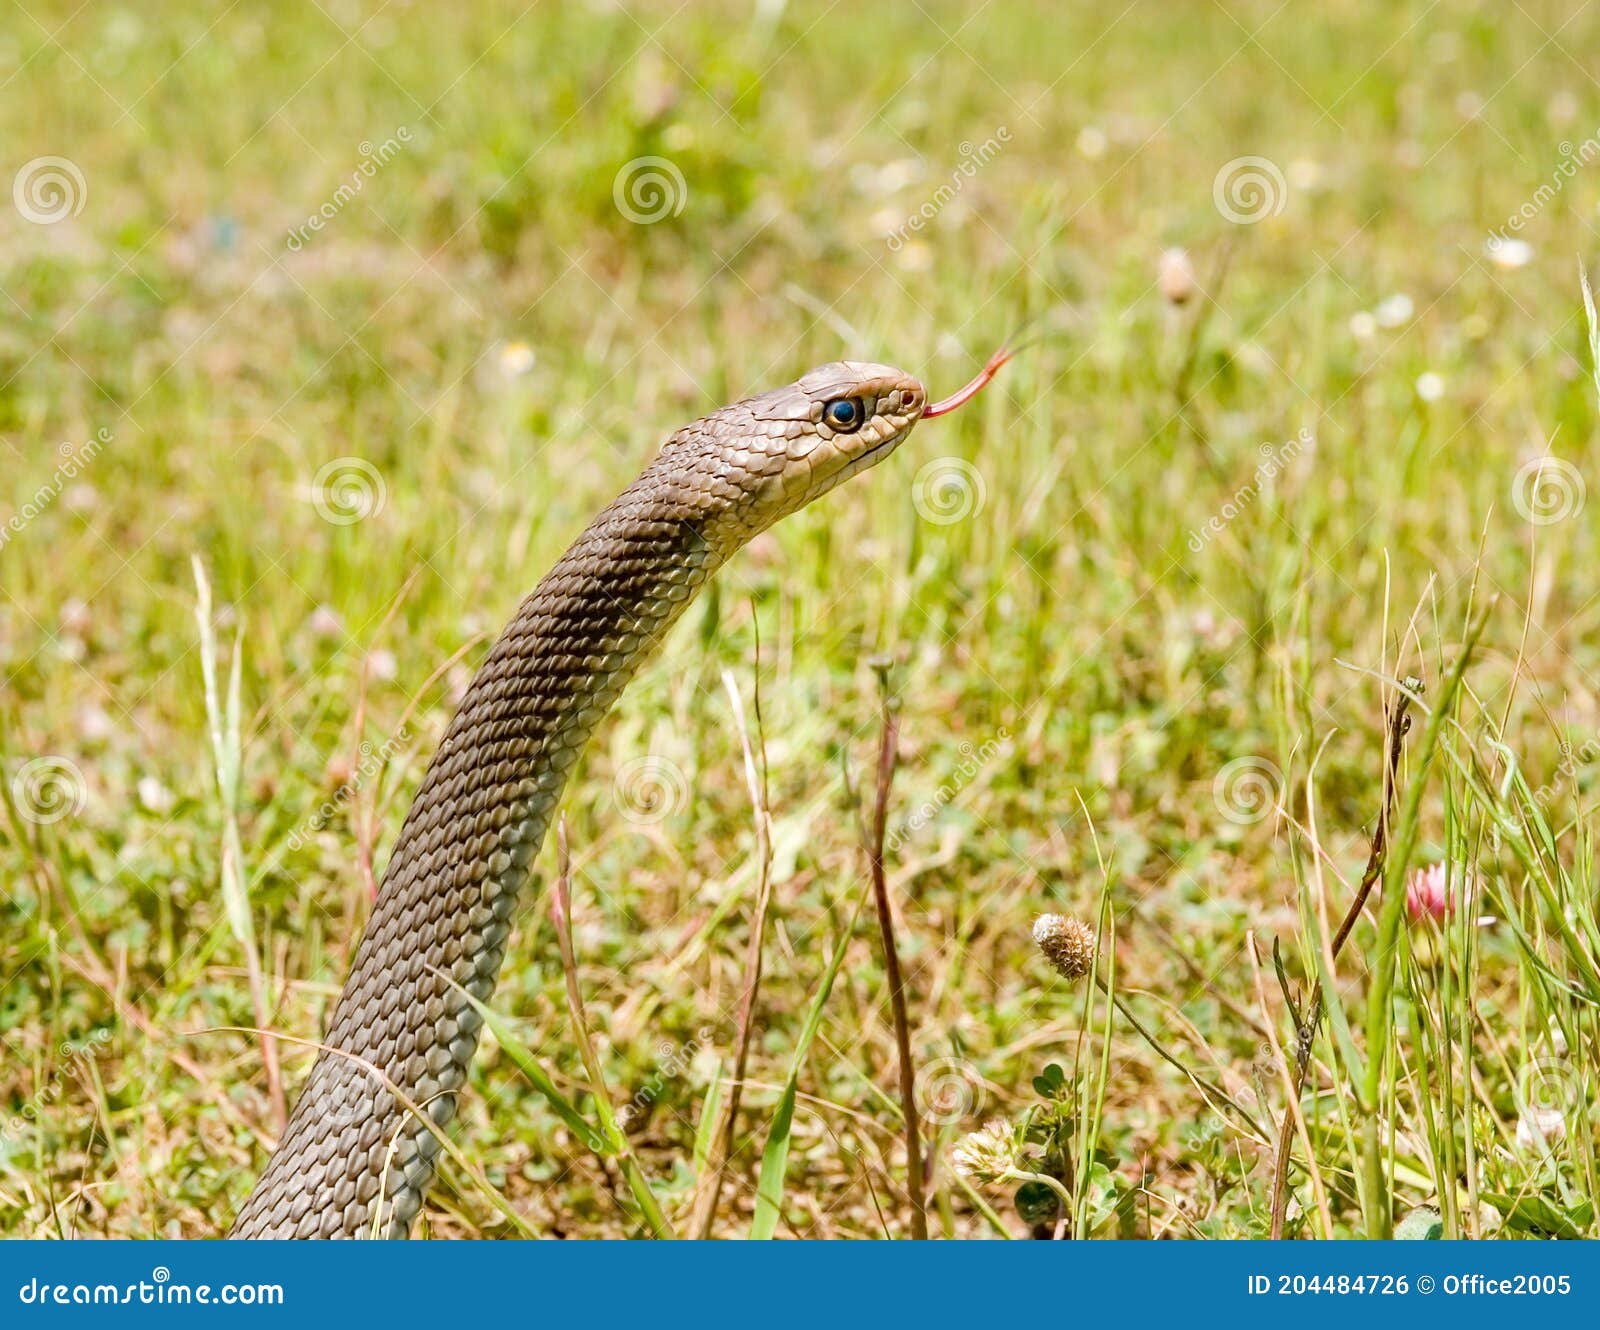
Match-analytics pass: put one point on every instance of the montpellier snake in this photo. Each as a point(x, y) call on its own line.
point(357, 1156)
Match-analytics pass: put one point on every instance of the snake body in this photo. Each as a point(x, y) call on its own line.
point(356, 1159)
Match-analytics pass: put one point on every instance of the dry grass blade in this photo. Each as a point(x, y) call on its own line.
point(561, 910)
point(710, 1190)
point(227, 752)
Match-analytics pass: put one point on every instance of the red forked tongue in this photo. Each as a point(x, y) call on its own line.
point(965, 395)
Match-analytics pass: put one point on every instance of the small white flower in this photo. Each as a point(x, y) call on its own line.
point(1092, 142)
point(1540, 1129)
point(1305, 174)
point(1562, 108)
point(1363, 327)
point(1509, 253)
point(382, 666)
point(914, 256)
point(80, 498)
point(1557, 1038)
point(896, 175)
point(1430, 386)
point(887, 222)
point(1175, 276)
point(94, 724)
point(75, 617)
point(1394, 311)
point(155, 797)
point(986, 1155)
point(324, 622)
point(516, 359)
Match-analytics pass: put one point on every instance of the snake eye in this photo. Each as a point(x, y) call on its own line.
point(843, 414)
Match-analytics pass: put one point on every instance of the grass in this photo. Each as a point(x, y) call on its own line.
point(1146, 604)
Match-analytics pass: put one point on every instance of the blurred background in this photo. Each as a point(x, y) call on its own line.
point(333, 323)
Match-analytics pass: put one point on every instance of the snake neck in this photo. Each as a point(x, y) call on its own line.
point(356, 1158)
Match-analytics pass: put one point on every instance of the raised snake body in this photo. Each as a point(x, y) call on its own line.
point(355, 1160)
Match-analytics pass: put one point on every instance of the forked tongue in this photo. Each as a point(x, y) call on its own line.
point(964, 395)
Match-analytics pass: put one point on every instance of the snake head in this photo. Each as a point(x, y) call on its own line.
point(748, 465)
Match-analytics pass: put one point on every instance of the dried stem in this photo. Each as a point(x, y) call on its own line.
point(874, 841)
point(1399, 722)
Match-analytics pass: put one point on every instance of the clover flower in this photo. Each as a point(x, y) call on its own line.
point(1067, 943)
point(986, 1155)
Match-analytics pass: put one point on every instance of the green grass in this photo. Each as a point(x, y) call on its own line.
point(1088, 687)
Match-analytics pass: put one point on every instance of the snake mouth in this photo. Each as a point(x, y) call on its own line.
point(875, 454)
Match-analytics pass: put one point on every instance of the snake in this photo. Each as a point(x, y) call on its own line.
point(360, 1147)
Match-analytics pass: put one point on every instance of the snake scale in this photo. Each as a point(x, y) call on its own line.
point(356, 1158)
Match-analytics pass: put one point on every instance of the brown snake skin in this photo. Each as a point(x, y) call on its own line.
point(355, 1159)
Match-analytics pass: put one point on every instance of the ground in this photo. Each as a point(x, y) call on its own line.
point(348, 318)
